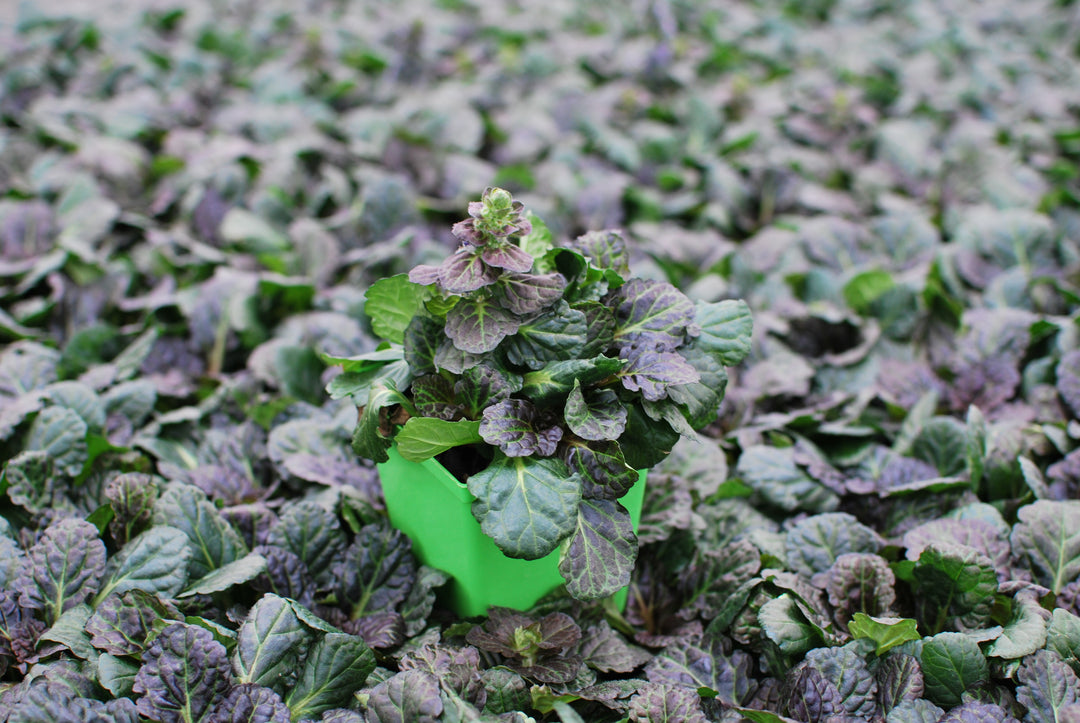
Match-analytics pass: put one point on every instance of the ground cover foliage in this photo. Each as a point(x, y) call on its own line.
point(883, 523)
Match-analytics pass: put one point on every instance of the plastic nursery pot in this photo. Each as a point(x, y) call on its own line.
point(429, 505)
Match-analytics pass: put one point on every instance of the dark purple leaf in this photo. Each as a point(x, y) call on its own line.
point(411, 696)
point(376, 572)
point(383, 629)
point(899, 678)
point(184, 674)
point(121, 624)
point(131, 496)
point(811, 697)
point(605, 249)
point(433, 395)
point(536, 649)
point(311, 533)
point(423, 336)
point(1068, 380)
point(858, 582)
point(250, 703)
point(714, 575)
point(703, 663)
point(456, 668)
point(63, 569)
point(605, 650)
point(481, 386)
point(517, 428)
point(978, 712)
point(286, 575)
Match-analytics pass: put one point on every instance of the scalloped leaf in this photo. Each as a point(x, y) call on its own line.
point(156, 562)
point(557, 335)
point(526, 294)
point(605, 249)
point(269, 644)
point(726, 330)
point(651, 372)
point(391, 303)
point(506, 255)
point(526, 505)
point(184, 674)
point(653, 313)
point(595, 415)
point(518, 429)
point(64, 568)
point(1048, 535)
point(213, 540)
point(465, 271)
point(602, 468)
point(600, 554)
point(336, 667)
point(421, 342)
point(477, 326)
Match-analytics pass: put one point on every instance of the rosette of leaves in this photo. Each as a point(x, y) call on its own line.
point(544, 378)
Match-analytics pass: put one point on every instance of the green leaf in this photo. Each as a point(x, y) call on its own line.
point(526, 505)
point(813, 544)
point(784, 623)
point(156, 562)
point(558, 334)
point(117, 674)
point(60, 433)
point(368, 441)
point(1048, 535)
point(726, 329)
point(955, 587)
point(1063, 637)
point(977, 445)
point(237, 572)
point(595, 415)
point(269, 644)
point(391, 303)
point(865, 288)
point(646, 441)
point(29, 480)
point(942, 442)
point(337, 666)
point(952, 663)
point(555, 379)
point(214, 542)
point(600, 555)
point(70, 631)
point(773, 474)
point(1024, 633)
point(886, 633)
point(424, 437)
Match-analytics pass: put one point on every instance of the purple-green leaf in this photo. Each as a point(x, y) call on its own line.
point(600, 555)
point(64, 568)
point(651, 372)
point(505, 255)
point(184, 674)
point(519, 429)
point(531, 293)
point(465, 271)
point(653, 313)
point(478, 325)
point(596, 414)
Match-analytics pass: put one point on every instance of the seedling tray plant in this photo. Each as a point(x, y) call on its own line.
point(544, 378)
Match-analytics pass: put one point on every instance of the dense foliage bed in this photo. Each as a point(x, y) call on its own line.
point(882, 524)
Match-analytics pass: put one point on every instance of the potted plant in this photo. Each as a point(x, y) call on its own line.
point(538, 382)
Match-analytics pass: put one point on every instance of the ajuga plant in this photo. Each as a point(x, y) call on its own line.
point(544, 378)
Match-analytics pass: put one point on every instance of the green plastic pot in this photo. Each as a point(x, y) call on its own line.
point(429, 505)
